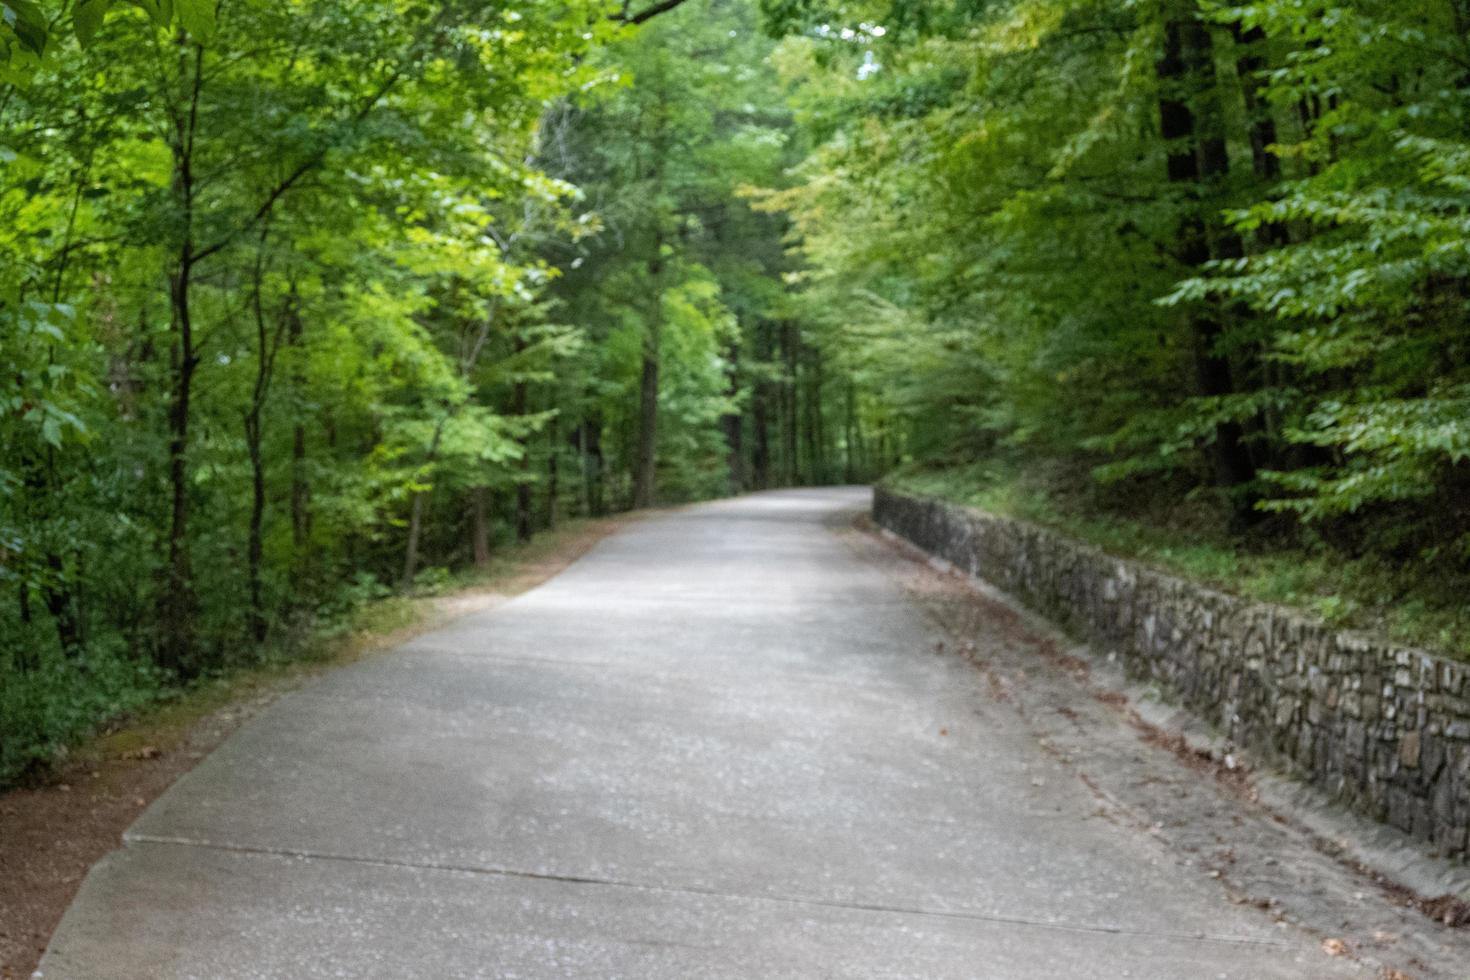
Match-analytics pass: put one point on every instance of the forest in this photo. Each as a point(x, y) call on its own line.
point(306, 304)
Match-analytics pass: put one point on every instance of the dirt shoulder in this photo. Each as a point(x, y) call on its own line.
point(51, 835)
point(1204, 807)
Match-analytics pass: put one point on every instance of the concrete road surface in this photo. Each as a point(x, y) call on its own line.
point(720, 745)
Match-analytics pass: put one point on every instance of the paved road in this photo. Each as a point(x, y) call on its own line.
point(718, 746)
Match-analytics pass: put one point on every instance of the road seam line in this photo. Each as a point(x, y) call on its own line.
point(707, 892)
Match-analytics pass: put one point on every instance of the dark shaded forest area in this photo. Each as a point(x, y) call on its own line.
point(306, 305)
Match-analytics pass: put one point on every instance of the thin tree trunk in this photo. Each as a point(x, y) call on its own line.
point(177, 611)
point(59, 591)
point(1250, 65)
point(177, 603)
point(584, 463)
point(815, 421)
point(646, 462)
point(809, 426)
point(553, 475)
point(411, 548)
point(521, 406)
point(300, 488)
point(1195, 160)
point(525, 518)
point(61, 603)
point(256, 619)
point(300, 501)
point(734, 424)
point(56, 587)
point(790, 464)
point(597, 465)
point(849, 434)
point(479, 526)
point(416, 515)
point(760, 422)
point(27, 657)
point(645, 473)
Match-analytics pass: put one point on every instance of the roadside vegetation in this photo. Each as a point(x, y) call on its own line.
point(307, 305)
point(1189, 280)
point(1291, 565)
point(148, 713)
point(304, 307)
point(53, 830)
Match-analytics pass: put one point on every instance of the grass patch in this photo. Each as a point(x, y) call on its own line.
point(1407, 602)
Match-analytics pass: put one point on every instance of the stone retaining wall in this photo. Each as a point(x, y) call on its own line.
point(1382, 728)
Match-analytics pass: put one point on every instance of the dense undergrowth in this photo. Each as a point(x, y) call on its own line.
point(46, 712)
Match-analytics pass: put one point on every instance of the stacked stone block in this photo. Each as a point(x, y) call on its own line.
point(1382, 728)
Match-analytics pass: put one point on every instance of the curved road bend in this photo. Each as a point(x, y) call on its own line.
point(719, 745)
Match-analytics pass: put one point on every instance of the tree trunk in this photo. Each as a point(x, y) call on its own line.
point(521, 407)
point(57, 587)
point(646, 469)
point(27, 656)
point(479, 526)
point(255, 616)
point(596, 466)
point(849, 434)
point(646, 463)
point(584, 469)
point(256, 619)
point(300, 488)
point(1196, 159)
point(1250, 64)
point(734, 424)
point(416, 515)
point(525, 518)
point(61, 603)
point(177, 602)
point(553, 471)
point(411, 548)
point(760, 422)
point(816, 425)
point(790, 464)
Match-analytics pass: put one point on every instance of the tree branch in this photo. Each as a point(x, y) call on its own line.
point(647, 13)
point(302, 169)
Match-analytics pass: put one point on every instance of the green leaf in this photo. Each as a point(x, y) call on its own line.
point(51, 431)
point(28, 22)
point(88, 19)
point(197, 16)
point(161, 12)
